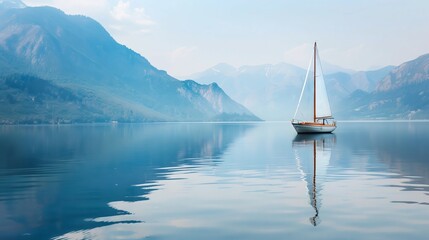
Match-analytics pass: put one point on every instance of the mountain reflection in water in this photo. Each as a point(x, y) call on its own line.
point(54, 179)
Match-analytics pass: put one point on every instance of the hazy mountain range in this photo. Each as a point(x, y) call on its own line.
point(272, 91)
point(62, 68)
point(403, 93)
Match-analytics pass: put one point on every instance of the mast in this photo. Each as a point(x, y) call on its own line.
point(314, 79)
point(316, 217)
point(314, 162)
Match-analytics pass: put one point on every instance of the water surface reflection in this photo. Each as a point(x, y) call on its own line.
point(55, 179)
point(312, 154)
point(214, 181)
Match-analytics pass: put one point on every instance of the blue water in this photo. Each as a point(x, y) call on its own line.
point(214, 181)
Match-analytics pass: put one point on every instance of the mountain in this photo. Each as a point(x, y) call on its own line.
point(403, 93)
point(412, 72)
point(363, 80)
point(341, 85)
point(272, 91)
point(76, 56)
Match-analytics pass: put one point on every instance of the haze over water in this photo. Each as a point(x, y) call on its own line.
point(214, 181)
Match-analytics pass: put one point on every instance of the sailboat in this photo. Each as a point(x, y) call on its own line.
point(321, 120)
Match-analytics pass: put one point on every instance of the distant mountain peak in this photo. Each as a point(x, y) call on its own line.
point(329, 68)
point(12, 4)
point(284, 64)
point(223, 67)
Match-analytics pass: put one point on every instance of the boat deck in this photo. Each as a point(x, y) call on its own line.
point(317, 124)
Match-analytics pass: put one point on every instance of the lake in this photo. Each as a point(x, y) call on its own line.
point(368, 180)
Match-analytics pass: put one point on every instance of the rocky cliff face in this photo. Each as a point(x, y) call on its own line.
point(402, 94)
point(412, 72)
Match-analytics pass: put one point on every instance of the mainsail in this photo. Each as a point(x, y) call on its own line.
point(323, 110)
point(306, 108)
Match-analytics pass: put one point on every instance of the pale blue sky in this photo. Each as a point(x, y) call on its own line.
point(188, 36)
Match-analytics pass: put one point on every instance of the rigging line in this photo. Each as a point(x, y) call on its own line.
point(320, 62)
point(302, 91)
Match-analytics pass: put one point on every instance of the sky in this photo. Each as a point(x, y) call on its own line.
point(184, 37)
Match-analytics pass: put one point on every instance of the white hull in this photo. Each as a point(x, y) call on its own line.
point(306, 128)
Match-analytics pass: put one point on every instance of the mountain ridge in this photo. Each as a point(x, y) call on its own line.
point(390, 92)
point(77, 54)
point(413, 71)
point(402, 94)
point(272, 90)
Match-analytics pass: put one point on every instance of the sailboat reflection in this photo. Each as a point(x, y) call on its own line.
point(312, 154)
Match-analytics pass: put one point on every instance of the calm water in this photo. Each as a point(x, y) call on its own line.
point(214, 181)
